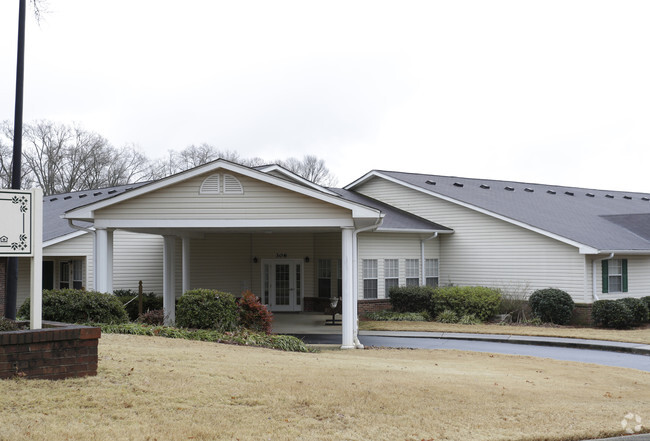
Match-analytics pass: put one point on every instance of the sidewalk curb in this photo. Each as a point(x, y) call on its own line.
point(576, 343)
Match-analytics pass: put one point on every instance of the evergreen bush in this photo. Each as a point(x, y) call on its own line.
point(410, 298)
point(207, 309)
point(150, 302)
point(480, 301)
point(77, 306)
point(638, 308)
point(552, 305)
point(611, 314)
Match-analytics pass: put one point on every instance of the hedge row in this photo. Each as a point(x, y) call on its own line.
point(479, 301)
point(622, 313)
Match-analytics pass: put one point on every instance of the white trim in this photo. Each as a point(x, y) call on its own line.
point(582, 248)
point(87, 212)
point(63, 238)
point(412, 231)
point(222, 223)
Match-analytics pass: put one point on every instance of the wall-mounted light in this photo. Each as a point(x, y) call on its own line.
point(306, 259)
point(254, 259)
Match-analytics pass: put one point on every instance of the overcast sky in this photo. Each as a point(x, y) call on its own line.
point(554, 92)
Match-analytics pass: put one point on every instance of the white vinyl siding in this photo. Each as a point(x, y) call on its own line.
point(412, 272)
point(370, 278)
point(487, 251)
point(260, 200)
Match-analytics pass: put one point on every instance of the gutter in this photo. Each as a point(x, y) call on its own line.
point(422, 277)
point(593, 274)
point(355, 291)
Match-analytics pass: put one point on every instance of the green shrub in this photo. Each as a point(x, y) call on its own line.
point(253, 314)
point(552, 305)
point(388, 316)
point(207, 309)
point(469, 320)
point(76, 306)
point(646, 300)
point(479, 301)
point(638, 309)
point(410, 298)
point(8, 325)
point(447, 316)
point(611, 314)
point(150, 302)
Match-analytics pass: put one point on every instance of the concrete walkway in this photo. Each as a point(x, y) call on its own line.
point(307, 323)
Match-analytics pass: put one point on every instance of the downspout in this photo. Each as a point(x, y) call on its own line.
point(422, 276)
point(593, 273)
point(355, 291)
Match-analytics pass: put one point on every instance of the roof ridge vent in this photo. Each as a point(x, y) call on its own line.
point(609, 196)
point(97, 193)
point(487, 187)
point(458, 184)
point(82, 195)
point(54, 199)
point(67, 197)
point(645, 198)
point(590, 195)
point(569, 193)
point(508, 188)
point(112, 191)
point(551, 192)
point(430, 182)
point(627, 197)
point(529, 190)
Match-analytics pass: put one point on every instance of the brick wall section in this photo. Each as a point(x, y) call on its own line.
point(3, 284)
point(374, 305)
point(62, 351)
point(581, 315)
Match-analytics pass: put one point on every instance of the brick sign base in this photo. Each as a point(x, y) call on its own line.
point(57, 351)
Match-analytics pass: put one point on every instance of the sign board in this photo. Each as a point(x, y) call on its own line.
point(21, 235)
point(17, 223)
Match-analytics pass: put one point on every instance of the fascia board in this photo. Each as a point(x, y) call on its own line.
point(583, 248)
point(631, 252)
point(417, 231)
point(223, 223)
point(87, 212)
point(63, 238)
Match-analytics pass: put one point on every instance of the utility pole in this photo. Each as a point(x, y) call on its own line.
point(12, 262)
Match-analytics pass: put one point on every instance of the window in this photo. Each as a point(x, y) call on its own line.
point(71, 274)
point(339, 277)
point(412, 272)
point(324, 278)
point(369, 278)
point(614, 275)
point(77, 274)
point(431, 272)
point(391, 275)
point(64, 275)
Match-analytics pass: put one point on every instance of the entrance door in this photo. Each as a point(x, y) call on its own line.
point(282, 284)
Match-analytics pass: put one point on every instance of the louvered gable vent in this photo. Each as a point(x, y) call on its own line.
point(231, 185)
point(211, 185)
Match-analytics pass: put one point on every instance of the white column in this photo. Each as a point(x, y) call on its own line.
point(169, 281)
point(347, 274)
point(186, 263)
point(36, 288)
point(103, 260)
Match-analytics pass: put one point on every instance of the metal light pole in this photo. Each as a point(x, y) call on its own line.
point(12, 262)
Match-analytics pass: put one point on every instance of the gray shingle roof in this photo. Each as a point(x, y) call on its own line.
point(605, 220)
point(57, 204)
point(394, 218)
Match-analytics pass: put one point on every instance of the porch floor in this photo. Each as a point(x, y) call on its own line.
point(303, 323)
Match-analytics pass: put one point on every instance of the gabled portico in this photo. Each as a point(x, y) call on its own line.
point(225, 225)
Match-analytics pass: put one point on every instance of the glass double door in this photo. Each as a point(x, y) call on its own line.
point(282, 282)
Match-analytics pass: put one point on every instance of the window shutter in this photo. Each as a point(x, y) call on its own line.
point(624, 270)
point(605, 276)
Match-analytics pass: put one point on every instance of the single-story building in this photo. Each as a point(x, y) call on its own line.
point(296, 244)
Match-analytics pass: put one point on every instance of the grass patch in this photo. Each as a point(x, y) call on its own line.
point(242, 337)
point(640, 335)
point(159, 388)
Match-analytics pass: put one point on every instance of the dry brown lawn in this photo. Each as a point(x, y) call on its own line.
point(151, 388)
point(632, 335)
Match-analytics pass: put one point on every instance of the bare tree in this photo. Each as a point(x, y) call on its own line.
point(310, 168)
